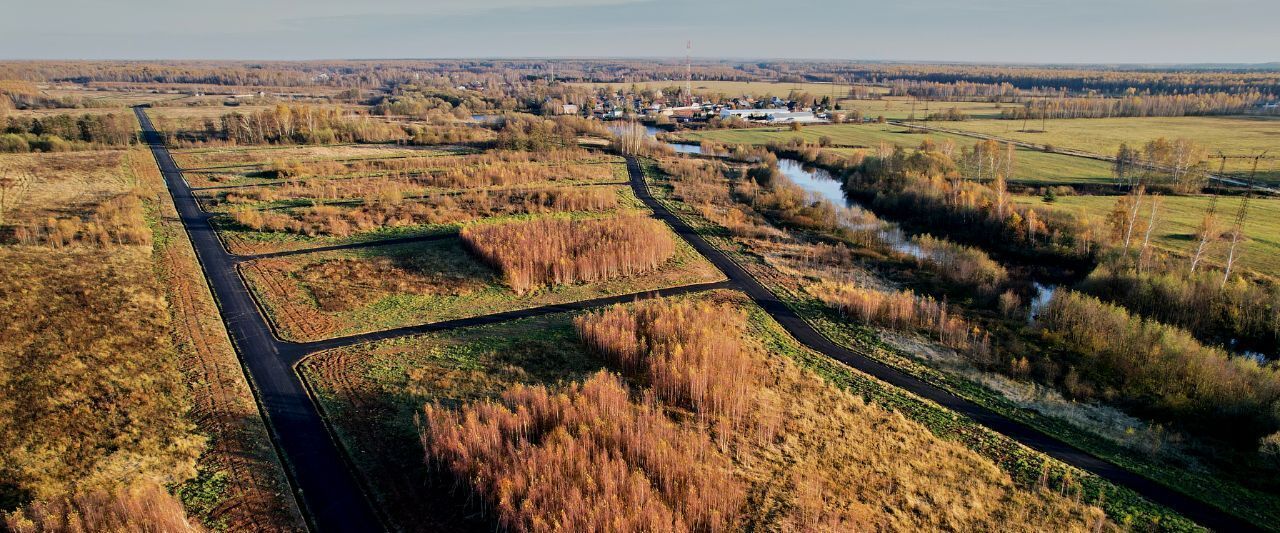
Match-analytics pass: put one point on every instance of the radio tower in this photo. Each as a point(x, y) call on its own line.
point(688, 71)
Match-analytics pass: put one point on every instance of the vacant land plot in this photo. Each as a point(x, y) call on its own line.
point(790, 475)
point(1180, 216)
point(114, 350)
point(67, 183)
point(329, 294)
point(250, 231)
point(1233, 135)
point(1033, 167)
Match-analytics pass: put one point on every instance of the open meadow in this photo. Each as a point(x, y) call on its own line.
point(1179, 218)
point(1240, 137)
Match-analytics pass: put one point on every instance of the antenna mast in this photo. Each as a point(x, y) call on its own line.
point(688, 70)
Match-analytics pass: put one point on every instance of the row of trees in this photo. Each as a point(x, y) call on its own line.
point(61, 133)
point(927, 186)
point(1178, 164)
point(1159, 105)
point(558, 251)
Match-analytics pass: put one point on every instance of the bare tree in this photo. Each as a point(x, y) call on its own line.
point(1146, 236)
point(1208, 232)
point(1136, 194)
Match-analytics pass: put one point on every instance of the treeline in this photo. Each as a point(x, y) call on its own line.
point(531, 133)
point(388, 208)
point(302, 124)
point(557, 251)
point(1159, 369)
point(61, 133)
point(1158, 105)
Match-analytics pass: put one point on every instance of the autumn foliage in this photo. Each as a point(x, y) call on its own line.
point(557, 251)
point(690, 354)
point(1159, 368)
point(588, 458)
point(902, 310)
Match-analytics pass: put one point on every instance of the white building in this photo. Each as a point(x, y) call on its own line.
point(751, 114)
point(802, 117)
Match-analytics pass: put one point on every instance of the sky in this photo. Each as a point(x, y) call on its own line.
point(1026, 31)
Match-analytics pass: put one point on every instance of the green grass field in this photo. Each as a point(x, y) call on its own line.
point(1180, 216)
point(1033, 167)
point(901, 108)
point(1235, 135)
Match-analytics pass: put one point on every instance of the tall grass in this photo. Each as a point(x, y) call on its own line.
point(557, 251)
point(144, 507)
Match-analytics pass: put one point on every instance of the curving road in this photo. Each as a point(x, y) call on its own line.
point(324, 482)
point(1196, 510)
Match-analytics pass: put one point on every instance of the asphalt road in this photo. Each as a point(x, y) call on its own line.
point(1196, 510)
point(322, 481)
point(327, 487)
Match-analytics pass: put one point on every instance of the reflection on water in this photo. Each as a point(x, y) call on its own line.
point(1044, 293)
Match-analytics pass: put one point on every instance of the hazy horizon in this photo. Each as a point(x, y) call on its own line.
point(1093, 32)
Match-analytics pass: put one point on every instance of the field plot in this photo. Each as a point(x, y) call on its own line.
point(222, 167)
point(1180, 216)
point(809, 457)
point(328, 294)
point(901, 108)
point(1233, 135)
point(253, 231)
point(96, 263)
point(1033, 167)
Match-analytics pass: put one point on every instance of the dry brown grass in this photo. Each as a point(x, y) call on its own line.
point(557, 251)
point(145, 508)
